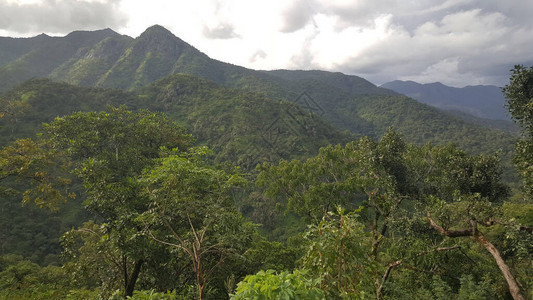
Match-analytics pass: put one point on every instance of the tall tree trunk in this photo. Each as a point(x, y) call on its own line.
point(130, 285)
point(125, 274)
point(513, 285)
point(200, 282)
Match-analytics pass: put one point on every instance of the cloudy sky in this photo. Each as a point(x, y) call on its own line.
point(457, 42)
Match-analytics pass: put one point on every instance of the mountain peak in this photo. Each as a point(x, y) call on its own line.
point(157, 30)
point(106, 31)
point(435, 84)
point(158, 39)
point(85, 38)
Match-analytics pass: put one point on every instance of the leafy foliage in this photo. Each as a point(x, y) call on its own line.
point(35, 161)
point(519, 94)
point(339, 254)
point(22, 279)
point(285, 285)
point(396, 184)
point(191, 211)
point(167, 221)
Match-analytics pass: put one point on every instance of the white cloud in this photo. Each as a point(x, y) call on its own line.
point(434, 73)
point(379, 40)
point(221, 31)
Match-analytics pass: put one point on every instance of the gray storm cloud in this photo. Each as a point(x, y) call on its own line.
point(297, 15)
point(449, 41)
point(56, 16)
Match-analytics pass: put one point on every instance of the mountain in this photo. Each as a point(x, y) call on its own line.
point(245, 116)
point(109, 60)
point(25, 58)
point(242, 127)
point(482, 101)
point(126, 63)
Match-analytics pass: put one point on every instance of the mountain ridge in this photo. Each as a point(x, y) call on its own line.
point(347, 102)
point(482, 101)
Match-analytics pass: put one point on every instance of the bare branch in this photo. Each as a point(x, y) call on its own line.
point(379, 291)
point(386, 276)
point(449, 233)
point(514, 289)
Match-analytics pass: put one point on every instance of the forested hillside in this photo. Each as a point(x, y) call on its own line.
point(482, 101)
point(142, 168)
point(243, 127)
point(351, 103)
point(22, 59)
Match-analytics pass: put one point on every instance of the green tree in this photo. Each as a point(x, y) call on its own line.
point(93, 259)
point(397, 185)
point(368, 173)
point(36, 170)
point(339, 255)
point(269, 285)
point(22, 279)
point(191, 210)
point(109, 150)
point(519, 95)
point(11, 109)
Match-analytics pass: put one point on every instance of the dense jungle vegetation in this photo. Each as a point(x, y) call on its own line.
point(202, 180)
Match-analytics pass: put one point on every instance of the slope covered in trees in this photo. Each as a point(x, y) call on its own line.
point(387, 219)
point(363, 115)
point(244, 127)
point(22, 59)
point(375, 213)
point(109, 60)
point(483, 101)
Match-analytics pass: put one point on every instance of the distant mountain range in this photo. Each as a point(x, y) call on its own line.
point(482, 101)
point(106, 59)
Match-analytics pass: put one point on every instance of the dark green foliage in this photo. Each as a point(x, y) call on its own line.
point(397, 184)
point(90, 65)
point(339, 255)
point(503, 125)
point(267, 255)
point(192, 214)
point(519, 94)
point(407, 116)
point(168, 219)
point(342, 99)
point(33, 232)
point(241, 127)
point(46, 100)
point(109, 150)
point(22, 279)
point(234, 123)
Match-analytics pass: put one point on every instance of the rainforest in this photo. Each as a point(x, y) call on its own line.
point(143, 169)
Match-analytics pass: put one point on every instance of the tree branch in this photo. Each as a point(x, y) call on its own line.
point(379, 291)
point(449, 233)
point(514, 289)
